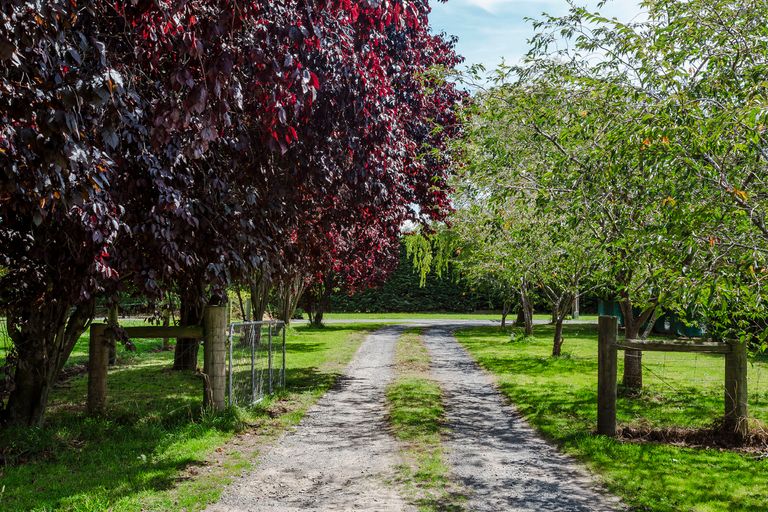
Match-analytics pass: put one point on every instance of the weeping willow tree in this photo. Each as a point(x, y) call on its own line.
point(473, 256)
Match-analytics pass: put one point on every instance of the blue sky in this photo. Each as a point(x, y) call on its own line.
point(491, 29)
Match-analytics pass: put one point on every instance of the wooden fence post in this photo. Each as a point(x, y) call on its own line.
point(606, 375)
point(98, 362)
point(215, 356)
point(736, 419)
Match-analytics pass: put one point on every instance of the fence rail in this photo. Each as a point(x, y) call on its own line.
point(734, 375)
point(704, 347)
point(256, 362)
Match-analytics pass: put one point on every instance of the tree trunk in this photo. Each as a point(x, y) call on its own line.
point(527, 309)
point(260, 288)
point(289, 293)
point(113, 321)
point(505, 307)
point(317, 318)
point(243, 311)
point(43, 340)
point(186, 353)
point(166, 323)
point(29, 398)
point(633, 359)
point(557, 344)
point(576, 305)
point(561, 309)
point(649, 324)
point(633, 370)
point(520, 319)
point(322, 305)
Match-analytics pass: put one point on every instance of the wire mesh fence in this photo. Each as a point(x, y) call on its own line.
point(256, 365)
point(693, 384)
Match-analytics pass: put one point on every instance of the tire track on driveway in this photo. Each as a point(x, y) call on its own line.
point(502, 463)
point(341, 456)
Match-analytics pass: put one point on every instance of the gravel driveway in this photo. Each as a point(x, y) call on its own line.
point(341, 456)
point(501, 462)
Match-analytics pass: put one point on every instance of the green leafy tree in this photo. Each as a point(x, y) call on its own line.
point(678, 119)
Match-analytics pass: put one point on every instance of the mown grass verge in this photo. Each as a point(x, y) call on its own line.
point(448, 315)
point(559, 397)
point(155, 449)
point(416, 414)
point(432, 315)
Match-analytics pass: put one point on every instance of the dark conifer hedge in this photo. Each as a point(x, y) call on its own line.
point(402, 293)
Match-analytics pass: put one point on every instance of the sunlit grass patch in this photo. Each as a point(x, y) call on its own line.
point(416, 414)
point(155, 449)
point(559, 397)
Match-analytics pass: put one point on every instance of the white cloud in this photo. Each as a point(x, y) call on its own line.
point(491, 29)
point(619, 8)
point(492, 6)
point(488, 5)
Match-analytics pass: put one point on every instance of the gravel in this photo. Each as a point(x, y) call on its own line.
point(341, 456)
point(496, 457)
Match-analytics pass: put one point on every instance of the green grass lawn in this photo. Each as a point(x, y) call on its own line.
point(411, 316)
point(80, 352)
point(431, 315)
point(416, 413)
point(558, 396)
point(145, 452)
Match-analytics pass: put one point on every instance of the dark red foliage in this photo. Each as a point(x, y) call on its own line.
point(392, 126)
point(59, 95)
point(186, 143)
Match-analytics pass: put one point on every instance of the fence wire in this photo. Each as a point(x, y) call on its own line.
point(682, 379)
point(256, 362)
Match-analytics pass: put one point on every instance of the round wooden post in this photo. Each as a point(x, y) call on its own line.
point(98, 361)
point(215, 354)
point(606, 375)
point(736, 419)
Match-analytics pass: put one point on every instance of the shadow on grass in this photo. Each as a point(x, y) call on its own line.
point(326, 328)
point(558, 397)
point(297, 347)
point(307, 379)
point(454, 502)
point(153, 428)
point(105, 458)
point(416, 408)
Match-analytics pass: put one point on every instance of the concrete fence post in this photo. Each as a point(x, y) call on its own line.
point(606, 375)
point(98, 362)
point(736, 419)
point(215, 356)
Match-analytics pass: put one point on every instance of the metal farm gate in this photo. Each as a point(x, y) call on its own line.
point(256, 362)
